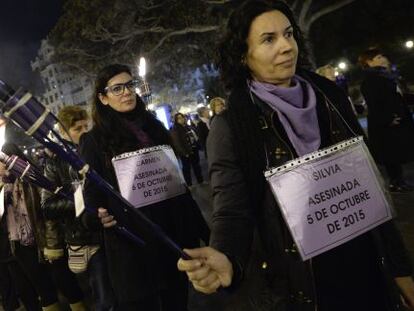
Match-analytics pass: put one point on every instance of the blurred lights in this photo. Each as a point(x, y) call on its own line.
point(142, 67)
point(409, 44)
point(342, 65)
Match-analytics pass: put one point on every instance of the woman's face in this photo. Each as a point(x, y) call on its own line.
point(124, 102)
point(218, 107)
point(379, 61)
point(272, 50)
point(180, 120)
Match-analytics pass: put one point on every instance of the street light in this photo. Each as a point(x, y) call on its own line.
point(409, 44)
point(144, 89)
point(142, 67)
point(342, 65)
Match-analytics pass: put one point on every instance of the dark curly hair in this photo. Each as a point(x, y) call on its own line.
point(233, 46)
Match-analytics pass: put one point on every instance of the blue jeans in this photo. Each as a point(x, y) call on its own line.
point(100, 283)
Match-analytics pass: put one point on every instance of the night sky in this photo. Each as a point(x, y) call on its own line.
point(23, 23)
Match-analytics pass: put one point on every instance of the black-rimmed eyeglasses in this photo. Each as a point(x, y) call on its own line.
point(119, 89)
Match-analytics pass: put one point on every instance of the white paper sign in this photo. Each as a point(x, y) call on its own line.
point(149, 175)
point(330, 197)
point(78, 198)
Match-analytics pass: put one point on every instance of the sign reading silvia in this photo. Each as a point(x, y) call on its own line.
point(330, 197)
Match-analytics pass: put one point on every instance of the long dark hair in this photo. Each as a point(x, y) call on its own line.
point(176, 117)
point(233, 46)
point(113, 133)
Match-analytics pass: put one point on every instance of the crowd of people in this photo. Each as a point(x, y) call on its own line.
point(277, 110)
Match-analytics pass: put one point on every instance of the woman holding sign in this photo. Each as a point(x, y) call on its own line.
point(278, 111)
point(143, 278)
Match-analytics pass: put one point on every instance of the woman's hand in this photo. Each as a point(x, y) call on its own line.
point(106, 219)
point(406, 286)
point(208, 270)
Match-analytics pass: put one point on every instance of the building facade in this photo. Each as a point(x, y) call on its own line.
point(61, 86)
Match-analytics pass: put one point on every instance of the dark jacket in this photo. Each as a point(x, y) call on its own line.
point(248, 226)
point(183, 140)
point(62, 227)
point(202, 132)
point(135, 271)
point(389, 143)
point(5, 250)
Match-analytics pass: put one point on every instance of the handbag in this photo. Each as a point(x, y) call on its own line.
point(78, 257)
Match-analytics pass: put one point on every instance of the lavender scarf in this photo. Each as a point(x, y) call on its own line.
point(296, 109)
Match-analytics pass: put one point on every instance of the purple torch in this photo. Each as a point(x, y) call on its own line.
point(37, 121)
point(23, 170)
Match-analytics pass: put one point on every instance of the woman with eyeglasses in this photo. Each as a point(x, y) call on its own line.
point(143, 278)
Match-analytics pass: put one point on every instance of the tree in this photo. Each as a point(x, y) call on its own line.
point(173, 35)
point(308, 12)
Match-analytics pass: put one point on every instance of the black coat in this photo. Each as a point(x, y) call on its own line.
point(136, 272)
point(62, 226)
point(389, 143)
point(202, 132)
point(248, 226)
point(183, 140)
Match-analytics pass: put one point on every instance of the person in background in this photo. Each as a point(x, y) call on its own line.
point(64, 230)
point(278, 111)
point(390, 123)
point(8, 292)
point(217, 106)
point(328, 71)
point(186, 145)
point(203, 127)
point(26, 231)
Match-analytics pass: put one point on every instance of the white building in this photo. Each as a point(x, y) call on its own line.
point(61, 87)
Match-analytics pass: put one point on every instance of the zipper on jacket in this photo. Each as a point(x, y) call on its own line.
point(312, 276)
point(277, 134)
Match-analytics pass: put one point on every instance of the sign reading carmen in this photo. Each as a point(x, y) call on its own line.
point(149, 175)
point(330, 197)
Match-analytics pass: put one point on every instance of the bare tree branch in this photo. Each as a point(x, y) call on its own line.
point(183, 32)
point(304, 12)
point(323, 12)
point(217, 1)
point(115, 37)
point(294, 5)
